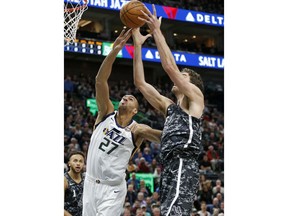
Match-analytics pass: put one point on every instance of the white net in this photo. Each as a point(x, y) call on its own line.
point(73, 10)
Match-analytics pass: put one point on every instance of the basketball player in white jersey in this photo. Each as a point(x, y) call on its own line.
point(114, 138)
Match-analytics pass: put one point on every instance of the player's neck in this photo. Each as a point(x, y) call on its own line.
point(75, 176)
point(123, 120)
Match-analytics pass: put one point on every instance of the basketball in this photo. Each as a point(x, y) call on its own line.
point(130, 12)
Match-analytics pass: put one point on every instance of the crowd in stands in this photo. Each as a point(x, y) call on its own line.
point(140, 199)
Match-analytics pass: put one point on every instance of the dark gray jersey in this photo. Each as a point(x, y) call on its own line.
point(181, 134)
point(73, 196)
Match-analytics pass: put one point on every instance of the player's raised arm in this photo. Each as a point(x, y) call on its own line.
point(158, 101)
point(167, 59)
point(104, 104)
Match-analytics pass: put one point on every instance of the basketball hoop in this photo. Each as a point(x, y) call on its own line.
point(73, 10)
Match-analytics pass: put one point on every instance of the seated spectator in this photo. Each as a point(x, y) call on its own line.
point(203, 211)
point(127, 210)
point(143, 166)
point(153, 165)
point(213, 158)
point(131, 167)
point(131, 194)
point(155, 149)
point(157, 175)
point(138, 155)
point(215, 205)
point(155, 197)
point(144, 210)
point(148, 204)
point(135, 206)
point(221, 207)
point(220, 197)
point(144, 188)
point(156, 211)
point(204, 164)
point(147, 155)
point(134, 181)
point(194, 212)
point(140, 198)
point(205, 194)
point(218, 188)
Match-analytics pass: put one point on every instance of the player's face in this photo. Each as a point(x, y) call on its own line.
point(186, 77)
point(128, 101)
point(76, 163)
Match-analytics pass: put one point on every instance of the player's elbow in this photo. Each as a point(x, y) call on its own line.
point(139, 84)
point(170, 67)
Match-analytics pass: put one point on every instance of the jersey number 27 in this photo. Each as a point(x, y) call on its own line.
point(105, 146)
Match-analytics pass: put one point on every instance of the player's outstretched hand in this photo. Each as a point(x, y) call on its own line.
point(138, 38)
point(122, 39)
point(151, 19)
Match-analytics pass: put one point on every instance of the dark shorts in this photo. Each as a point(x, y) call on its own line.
point(179, 190)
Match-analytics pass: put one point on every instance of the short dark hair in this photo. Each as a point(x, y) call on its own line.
point(195, 78)
point(75, 153)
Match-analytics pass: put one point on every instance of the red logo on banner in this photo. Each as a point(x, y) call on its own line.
point(170, 11)
point(130, 50)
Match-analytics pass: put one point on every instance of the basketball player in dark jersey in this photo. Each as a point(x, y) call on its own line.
point(181, 136)
point(73, 184)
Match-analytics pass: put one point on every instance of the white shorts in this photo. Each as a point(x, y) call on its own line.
point(101, 199)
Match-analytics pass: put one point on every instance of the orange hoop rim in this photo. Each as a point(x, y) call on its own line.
point(75, 9)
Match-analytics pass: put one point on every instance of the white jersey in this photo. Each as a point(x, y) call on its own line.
point(109, 151)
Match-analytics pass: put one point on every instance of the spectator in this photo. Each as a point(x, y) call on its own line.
point(204, 164)
point(144, 188)
point(203, 211)
point(213, 157)
point(205, 194)
point(140, 198)
point(144, 210)
point(131, 167)
point(194, 212)
point(147, 155)
point(133, 180)
point(143, 166)
point(148, 205)
point(131, 194)
point(215, 205)
point(218, 188)
point(155, 197)
point(68, 85)
point(135, 206)
point(156, 211)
